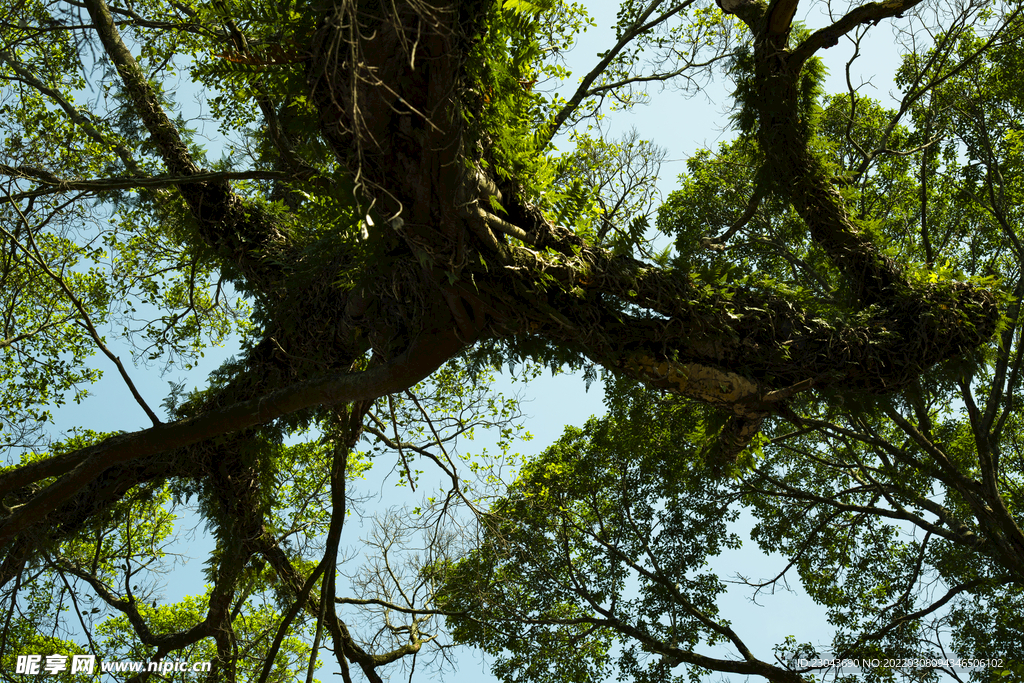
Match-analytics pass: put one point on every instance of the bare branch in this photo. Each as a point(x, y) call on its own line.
point(872, 12)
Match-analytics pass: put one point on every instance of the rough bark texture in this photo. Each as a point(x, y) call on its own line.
point(753, 343)
point(388, 83)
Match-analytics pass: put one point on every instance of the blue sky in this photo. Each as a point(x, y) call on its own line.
point(680, 125)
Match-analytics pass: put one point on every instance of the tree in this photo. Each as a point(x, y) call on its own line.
point(390, 220)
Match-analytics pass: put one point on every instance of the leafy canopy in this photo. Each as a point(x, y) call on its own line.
point(381, 205)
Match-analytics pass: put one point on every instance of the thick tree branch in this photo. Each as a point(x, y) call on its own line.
point(56, 185)
point(128, 607)
point(244, 234)
point(780, 18)
point(872, 12)
point(421, 359)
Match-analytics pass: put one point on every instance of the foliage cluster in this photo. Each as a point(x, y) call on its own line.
point(897, 512)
